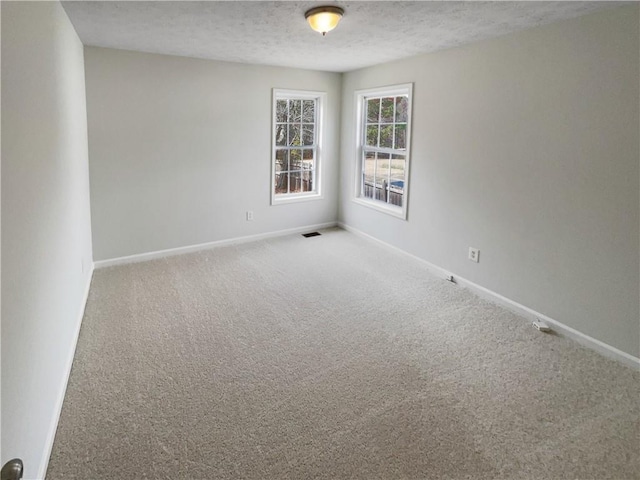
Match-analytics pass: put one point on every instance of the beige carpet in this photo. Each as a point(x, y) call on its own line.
point(329, 357)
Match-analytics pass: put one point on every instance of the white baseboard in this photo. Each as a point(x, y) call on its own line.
point(143, 257)
point(44, 462)
point(515, 307)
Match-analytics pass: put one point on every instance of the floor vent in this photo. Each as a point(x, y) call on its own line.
point(312, 234)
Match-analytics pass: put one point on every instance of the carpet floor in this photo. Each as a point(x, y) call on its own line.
point(329, 357)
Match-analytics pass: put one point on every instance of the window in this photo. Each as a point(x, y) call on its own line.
point(384, 126)
point(296, 145)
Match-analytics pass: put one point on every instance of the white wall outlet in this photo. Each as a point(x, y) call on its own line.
point(474, 254)
point(249, 216)
point(542, 326)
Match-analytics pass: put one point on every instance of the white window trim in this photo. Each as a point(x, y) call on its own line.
point(360, 95)
point(321, 101)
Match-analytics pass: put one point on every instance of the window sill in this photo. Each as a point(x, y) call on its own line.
point(395, 211)
point(286, 199)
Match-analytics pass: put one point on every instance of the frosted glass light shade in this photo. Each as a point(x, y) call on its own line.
point(324, 19)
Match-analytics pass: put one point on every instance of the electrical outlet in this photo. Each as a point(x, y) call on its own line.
point(249, 216)
point(474, 254)
point(542, 326)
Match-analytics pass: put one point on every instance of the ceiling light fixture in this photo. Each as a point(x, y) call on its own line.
point(324, 19)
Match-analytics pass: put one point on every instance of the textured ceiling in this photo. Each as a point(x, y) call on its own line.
point(276, 33)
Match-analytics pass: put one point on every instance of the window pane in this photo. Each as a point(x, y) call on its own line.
point(307, 154)
point(308, 111)
point(373, 110)
point(307, 134)
point(387, 110)
point(401, 109)
point(281, 111)
point(295, 159)
point(383, 165)
point(281, 181)
point(307, 159)
point(386, 136)
point(396, 184)
point(372, 135)
point(281, 134)
point(382, 176)
point(294, 135)
point(282, 162)
point(368, 174)
point(396, 197)
point(398, 163)
point(400, 140)
point(295, 111)
point(307, 181)
point(295, 182)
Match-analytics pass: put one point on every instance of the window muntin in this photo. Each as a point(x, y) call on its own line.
point(296, 145)
point(384, 117)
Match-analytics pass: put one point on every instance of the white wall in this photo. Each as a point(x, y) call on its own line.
point(180, 149)
point(45, 222)
point(525, 147)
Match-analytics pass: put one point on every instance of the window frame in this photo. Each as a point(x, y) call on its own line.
point(361, 97)
point(320, 99)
